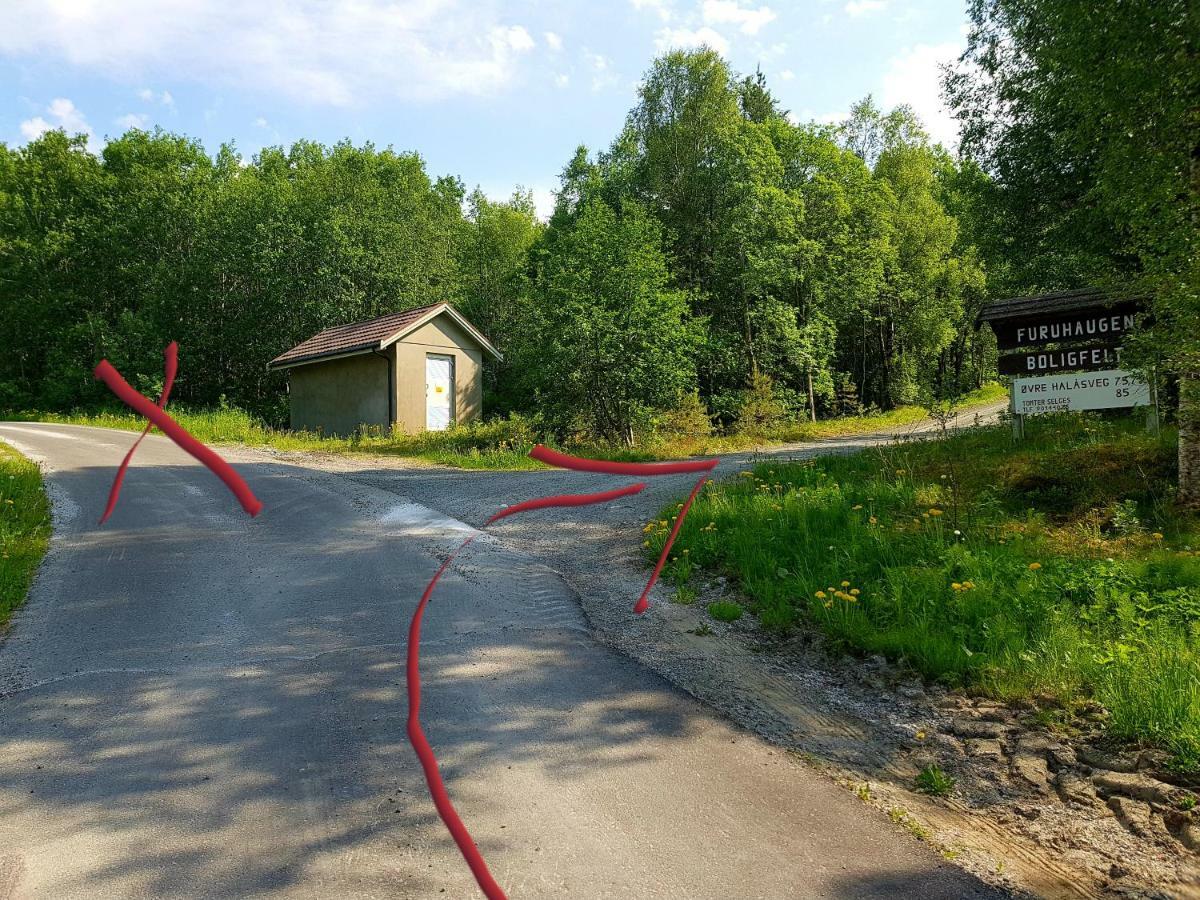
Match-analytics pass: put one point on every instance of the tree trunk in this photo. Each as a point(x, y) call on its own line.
point(1189, 441)
point(812, 400)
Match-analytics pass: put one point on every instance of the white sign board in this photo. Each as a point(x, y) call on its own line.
point(1110, 389)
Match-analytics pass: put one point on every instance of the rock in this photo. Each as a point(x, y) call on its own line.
point(985, 748)
point(1111, 762)
point(972, 728)
point(1189, 835)
point(913, 690)
point(1031, 769)
point(1073, 788)
point(993, 712)
point(1062, 757)
point(1153, 760)
point(1029, 812)
point(1133, 814)
point(1140, 787)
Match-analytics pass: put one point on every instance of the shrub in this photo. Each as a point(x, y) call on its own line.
point(725, 610)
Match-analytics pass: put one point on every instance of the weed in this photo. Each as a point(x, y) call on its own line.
point(725, 611)
point(684, 595)
point(864, 792)
point(1186, 802)
point(702, 629)
point(933, 781)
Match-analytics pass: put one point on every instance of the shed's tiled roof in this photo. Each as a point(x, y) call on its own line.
point(355, 336)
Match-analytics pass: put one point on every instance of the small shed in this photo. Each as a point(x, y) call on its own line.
point(417, 370)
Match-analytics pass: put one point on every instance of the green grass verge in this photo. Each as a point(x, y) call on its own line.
point(24, 527)
point(497, 444)
point(1056, 568)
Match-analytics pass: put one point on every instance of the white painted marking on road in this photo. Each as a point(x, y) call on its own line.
point(46, 432)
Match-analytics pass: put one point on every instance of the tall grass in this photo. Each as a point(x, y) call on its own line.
point(24, 527)
point(1055, 568)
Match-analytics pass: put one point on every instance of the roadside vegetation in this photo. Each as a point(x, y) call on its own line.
point(1057, 570)
point(24, 527)
point(505, 443)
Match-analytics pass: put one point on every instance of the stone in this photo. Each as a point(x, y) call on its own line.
point(1074, 788)
point(1133, 814)
point(1031, 769)
point(972, 728)
point(985, 748)
point(1139, 787)
point(1111, 762)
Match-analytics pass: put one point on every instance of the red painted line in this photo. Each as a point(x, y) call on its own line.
point(429, 763)
point(580, 464)
point(139, 404)
point(569, 500)
point(170, 368)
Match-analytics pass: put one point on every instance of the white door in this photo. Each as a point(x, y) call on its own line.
point(439, 392)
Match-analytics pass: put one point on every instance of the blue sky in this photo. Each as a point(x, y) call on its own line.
point(497, 93)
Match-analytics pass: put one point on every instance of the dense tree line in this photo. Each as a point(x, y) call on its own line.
point(1086, 115)
point(716, 258)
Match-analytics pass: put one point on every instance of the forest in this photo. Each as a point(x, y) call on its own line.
point(719, 263)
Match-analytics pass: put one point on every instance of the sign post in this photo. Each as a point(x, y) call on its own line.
point(1067, 353)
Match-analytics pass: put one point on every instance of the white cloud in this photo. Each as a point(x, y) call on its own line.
point(132, 120)
point(857, 8)
point(562, 79)
point(662, 7)
point(146, 94)
point(553, 41)
point(603, 75)
point(914, 77)
point(787, 75)
point(731, 12)
point(261, 122)
point(150, 96)
point(668, 38)
point(63, 114)
point(166, 99)
point(338, 52)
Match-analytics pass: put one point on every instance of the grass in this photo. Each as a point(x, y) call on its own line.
point(496, 444)
point(24, 527)
point(725, 610)
point(933, 781)
point(1055, 569)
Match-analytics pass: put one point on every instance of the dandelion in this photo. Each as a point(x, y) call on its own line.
point(968, 585)
point(1157, 536)
point(873, 520)
point(832, 589)
point(857, 506)
point(957, 532)
point(828, 604)
point(1034, 566)
point(820, 595)
point(920, 735)
point(935, 512)
point(686, 551)
point(745, 474)
point(645, 543)
point(855, 592)
point(956, 585)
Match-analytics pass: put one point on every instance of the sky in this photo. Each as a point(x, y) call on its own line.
point(498, 94)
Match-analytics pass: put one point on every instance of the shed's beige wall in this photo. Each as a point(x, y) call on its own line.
point(336, 397)
point(442, 336)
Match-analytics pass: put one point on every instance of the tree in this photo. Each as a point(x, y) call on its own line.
point(1087, 115)
point(605, 339)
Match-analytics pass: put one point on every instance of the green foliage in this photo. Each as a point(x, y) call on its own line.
point(606, 340)
point(933, 781)
point(725, 610)
point(983, 564)
point(24, 527)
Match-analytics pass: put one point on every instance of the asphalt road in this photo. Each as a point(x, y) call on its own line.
point(197, 704)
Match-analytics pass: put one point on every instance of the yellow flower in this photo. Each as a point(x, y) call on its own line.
point(1034, 566)
point(920, 735)
point(968, 585)
point(686, 551)
point(935, 512)
point(645, 543)
point(956, 586)
point(857, 506)
point(845, 584)
point(1156, 535)
point(746, 474)
point(828, 603)
point(851, 599)
point(820, 595)
point(832, 590)
point(899, 471)
point(873, 520)
point(855, 591)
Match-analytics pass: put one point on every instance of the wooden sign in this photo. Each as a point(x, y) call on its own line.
point(1070, 359)
point(1098, 323)
point(1110, 389)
